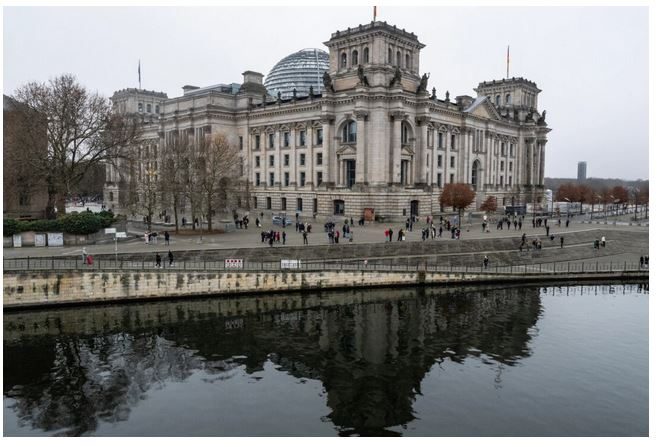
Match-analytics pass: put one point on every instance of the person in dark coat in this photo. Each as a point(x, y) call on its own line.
point(166, 235)
point(170, 255)
point(158, 260)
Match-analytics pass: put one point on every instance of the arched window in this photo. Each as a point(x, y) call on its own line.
point(497, 100)
point(508, 98)
point(140, 107)
point(399, 59)
point(404, 133)
point(343, 60)
point(390, 56)
point(407, 61)
point(349, 132)
point(148, 108)
point(355, 58)
point(475, 172)
point(366, 55)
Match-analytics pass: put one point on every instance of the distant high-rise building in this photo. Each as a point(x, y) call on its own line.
point(582, 171)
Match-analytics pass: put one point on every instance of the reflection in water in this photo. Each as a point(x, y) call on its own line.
point(67, 370)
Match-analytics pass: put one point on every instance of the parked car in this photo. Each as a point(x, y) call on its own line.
point(280, 220)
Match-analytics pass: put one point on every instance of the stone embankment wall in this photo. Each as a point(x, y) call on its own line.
point(79, 287)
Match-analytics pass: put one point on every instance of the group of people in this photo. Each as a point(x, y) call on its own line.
point(152, 237)
point(272, 237)
point(500, 223)
point(243, 223)
point(599, 243)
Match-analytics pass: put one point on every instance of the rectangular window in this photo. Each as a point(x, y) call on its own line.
point(502, 167)
point(510, 180)
point(302, 159)
point(257, 161)
point(302, 179)
point(269, 203)
point(271, 178)
point(439, 179)
point(318, 159)
point(439, 161)
point(283, 203)
point(255, 202)
point(510, 165)
point(453, 142)
point(511, 149)
point(271, 161)
point(286, 179)
point(270, 138)
point(258, 179)
point(286, 139)
point(240, 142)
point(440, 140)
point(315, 205)
point(452, 178)
point(501, 180)
point(299, 204)
point(302, 138)
point(318, 136)
point(286, 160)
point(319, 178)
point(257, 142)
point(452, 163)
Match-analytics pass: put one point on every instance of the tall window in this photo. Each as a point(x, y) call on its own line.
point(302, 178)
point(440, 140)
point(439, 179)
point(511, 149)
point(510, 165)
point(319, 178)
point(299, 204)
point(257, 142)
point(452, 163)
point(390, 56)
point(271, 161)
point(284, 203)
point(318, 136)
point(510, 181)
point(302, 159)
point(343, 60)
point(404, 133)
point(268, 202)
point(501, 180)
point(286, 160)
point(475, 171)
point(270, 138)
point(258, 179)
point(452, 178)
point(140, 107)
point(407, 61)
point(318, 159)
point(398, 59)
point(271, 178)
point(302, 138)
point(349, 132)
point(366, 55)
point(148, 108)
point(257, 161)
point(286, 179)
point(286, 139)
point(453, 142)
point(355, 58)
point(440, 161)
point(497, 100)
point(508, 98)
point(157, 109)
point(239, 138)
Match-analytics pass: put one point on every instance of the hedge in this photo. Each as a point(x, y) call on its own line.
point(82, 223)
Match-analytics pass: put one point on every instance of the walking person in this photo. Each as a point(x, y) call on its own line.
point(171, 258)
point(283, 236)
point(603, 241)
point(547, 230)
point(305, 234)
point(158, 260)
point(166, 235)
point(486, 261)
point(561, 241)
point(84, 255)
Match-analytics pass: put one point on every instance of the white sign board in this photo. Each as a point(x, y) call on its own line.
point(110, 230)
point(39, 240)
point(55, 239)
point(121, 234)
point(233, 263)
point(291, 263)
point(17, 240)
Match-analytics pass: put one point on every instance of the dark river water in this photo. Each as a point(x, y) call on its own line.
point(508, 361)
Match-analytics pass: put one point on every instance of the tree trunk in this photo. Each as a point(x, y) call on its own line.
point(176, 212)
point(209, 212)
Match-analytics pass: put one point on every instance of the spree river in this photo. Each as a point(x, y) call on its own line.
point(507, 361)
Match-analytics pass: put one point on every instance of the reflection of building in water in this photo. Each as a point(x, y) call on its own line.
point(371, 354)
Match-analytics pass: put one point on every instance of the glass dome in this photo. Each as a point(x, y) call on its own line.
point(300, 71)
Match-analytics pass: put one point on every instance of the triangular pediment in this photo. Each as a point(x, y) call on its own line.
point(483, 108)
point(346, 150)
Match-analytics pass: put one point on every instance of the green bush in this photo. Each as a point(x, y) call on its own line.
point(82, 223)
point(9, 227)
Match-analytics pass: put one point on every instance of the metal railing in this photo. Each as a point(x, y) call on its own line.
point(103, 265)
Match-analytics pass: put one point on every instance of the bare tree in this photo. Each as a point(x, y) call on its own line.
point(215, 168)
point(82, 132)
point(174, 172)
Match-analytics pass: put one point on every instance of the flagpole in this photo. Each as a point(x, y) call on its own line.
point(139, 72)
point(374, 13)
point(507, 61)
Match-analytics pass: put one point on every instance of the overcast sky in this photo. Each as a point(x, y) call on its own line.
point(592, 63)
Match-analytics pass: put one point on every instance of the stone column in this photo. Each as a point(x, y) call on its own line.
point(421, 151)
point(294, 155)
point(433, 157)
point(542, 160)
point(327, 153)
point(277, 159)
point(361, 161)
point(396, 148)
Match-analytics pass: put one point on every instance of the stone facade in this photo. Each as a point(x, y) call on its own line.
point(375, 138)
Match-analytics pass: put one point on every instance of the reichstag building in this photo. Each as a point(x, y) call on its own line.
point(357, 131)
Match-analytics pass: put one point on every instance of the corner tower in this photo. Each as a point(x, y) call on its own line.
point(380, 49)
